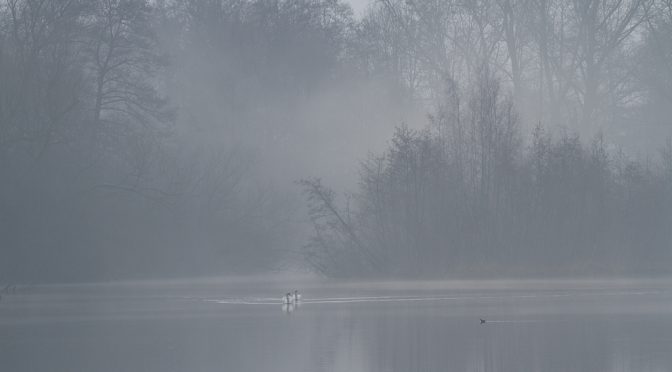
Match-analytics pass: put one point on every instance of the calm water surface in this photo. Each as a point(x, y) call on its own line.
point(240, 325)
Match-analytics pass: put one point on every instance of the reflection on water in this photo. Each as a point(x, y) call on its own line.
point(288, 308)
point(405, 326)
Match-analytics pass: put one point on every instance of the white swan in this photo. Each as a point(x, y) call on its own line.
point(287, 299)
point(297, 296)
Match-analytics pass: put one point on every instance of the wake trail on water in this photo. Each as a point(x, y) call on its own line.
point(365, 299)
point(515, 321)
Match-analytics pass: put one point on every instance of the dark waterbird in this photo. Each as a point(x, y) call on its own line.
point(482, 321)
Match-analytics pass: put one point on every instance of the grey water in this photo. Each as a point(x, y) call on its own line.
point(240, 324)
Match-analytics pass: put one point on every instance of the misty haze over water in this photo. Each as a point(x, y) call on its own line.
point(411, 138)
point(412, 166)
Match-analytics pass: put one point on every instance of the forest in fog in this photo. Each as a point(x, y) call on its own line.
point(414, 138)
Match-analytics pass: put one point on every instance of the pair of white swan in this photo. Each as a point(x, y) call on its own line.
point(290, 298)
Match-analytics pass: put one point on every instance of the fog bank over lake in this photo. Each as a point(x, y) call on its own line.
point(391, 139)
point(335, 185)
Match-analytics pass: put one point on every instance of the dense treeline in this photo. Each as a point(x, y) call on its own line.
point(103, 175)
point(465, 196)
point(162, 138)
point(589, 65)
point(79, 117)
point(142, 138)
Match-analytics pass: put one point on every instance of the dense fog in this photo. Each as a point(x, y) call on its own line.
point(433, 138)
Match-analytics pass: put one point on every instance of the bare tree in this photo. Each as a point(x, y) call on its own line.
point(124, 59)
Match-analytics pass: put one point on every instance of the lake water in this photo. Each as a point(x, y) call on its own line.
point(240, 324)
